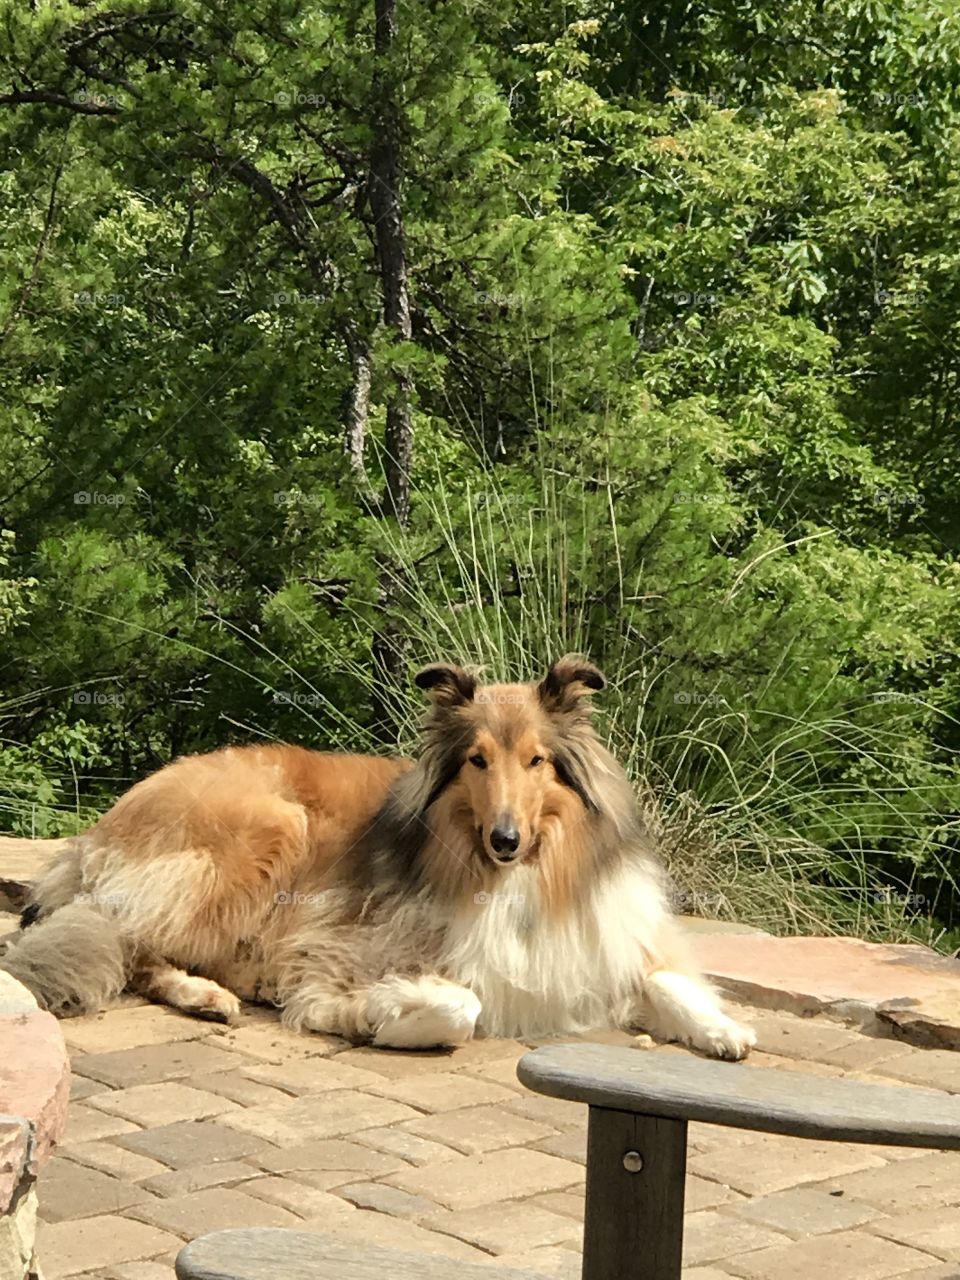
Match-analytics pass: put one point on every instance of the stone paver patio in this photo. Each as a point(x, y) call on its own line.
point(178, 1127)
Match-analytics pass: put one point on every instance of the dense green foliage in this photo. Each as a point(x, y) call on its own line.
point(685, 285)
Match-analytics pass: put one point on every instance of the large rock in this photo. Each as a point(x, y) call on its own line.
point(908, 988)
point(34, 1089)
point(18, 1222)
point(34, 1068)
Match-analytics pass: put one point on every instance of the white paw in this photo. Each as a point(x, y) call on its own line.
point(724, 1038)
point(643, 1041)
point(205, 999)
point(423, 1014)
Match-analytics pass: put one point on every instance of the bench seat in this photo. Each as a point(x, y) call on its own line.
point(679, 1086)
point(273, 1253)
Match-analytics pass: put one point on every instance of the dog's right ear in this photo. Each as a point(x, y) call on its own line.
point(446, 686)
point(570, 678)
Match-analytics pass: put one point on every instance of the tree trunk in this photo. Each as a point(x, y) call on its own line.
point(358, 406)
point(385, 175)
point(388, 218)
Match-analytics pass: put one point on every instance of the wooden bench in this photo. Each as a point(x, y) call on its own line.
point(271, 1253)
point(640, 1104)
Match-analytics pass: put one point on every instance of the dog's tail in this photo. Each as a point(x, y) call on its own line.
point(74, 961)
point(74, 958)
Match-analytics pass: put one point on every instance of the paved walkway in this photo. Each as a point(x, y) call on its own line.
point(179, 1127)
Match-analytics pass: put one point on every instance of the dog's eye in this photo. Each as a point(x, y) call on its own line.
point(535, 761)
point(478, 760)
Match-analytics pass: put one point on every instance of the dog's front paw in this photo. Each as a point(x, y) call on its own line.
point(422, 1013)
point(207, 1000)
point(725, 1038)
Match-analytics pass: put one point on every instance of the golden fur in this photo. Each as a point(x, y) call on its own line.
point(502, 882)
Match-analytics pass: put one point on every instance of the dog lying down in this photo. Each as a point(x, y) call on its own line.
point(500, 884)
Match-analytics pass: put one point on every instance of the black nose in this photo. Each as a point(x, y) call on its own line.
point(505, 839)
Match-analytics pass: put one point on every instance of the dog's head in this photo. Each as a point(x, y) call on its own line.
point(510, 757)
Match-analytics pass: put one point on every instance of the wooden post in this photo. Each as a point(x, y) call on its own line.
point(635, 1180)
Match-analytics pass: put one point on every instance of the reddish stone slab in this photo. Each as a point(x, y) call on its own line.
point(34, 1069)
point(906, 987)
point(20, 860)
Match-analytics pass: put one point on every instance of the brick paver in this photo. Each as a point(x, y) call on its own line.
point(932, 1179)
point(396, 1233)
point(177, 1182)
point(94, 1243)
point(508, 1228)
point(327, 1115)
point(299, 1197)
point(934, 1069)
point(81, 1088)
point(179, 1127)
point(86, 1124)
point(946, 1271)
point(773, 1163)
point(239, 1087)
point(557, 1261)
point(150, 1104)
point(807, 1038)
point(410, 1148)
point(106, 1156)
point(500, 1175)
point(69, 1190)
point(152, 1064)
point(844, 1255)
point(804, 1211)
point(569, 1203)
point(383, 1198)
point(191, 1142)
point(701, 1193)
point(931, 1230)
point(130, 1028)
point(478, 1129)
point(568, 1146)
point(443, 1092)
point(139, 1271)
point(335, 1156)
point(213, 1209)
point(710, 1236)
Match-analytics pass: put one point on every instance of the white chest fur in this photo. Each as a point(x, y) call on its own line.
point(535, 975)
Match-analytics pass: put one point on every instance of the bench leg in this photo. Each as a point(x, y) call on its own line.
point(636, 1165)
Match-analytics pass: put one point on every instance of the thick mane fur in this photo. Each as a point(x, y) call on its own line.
point(394, 844)
point(423, 838)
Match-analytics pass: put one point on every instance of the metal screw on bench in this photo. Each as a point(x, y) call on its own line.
point(633, 1161)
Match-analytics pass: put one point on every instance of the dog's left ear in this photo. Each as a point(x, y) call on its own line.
point(447, 686)
point(570, 678)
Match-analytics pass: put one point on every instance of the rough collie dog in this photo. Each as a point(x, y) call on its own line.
point(501, 884)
